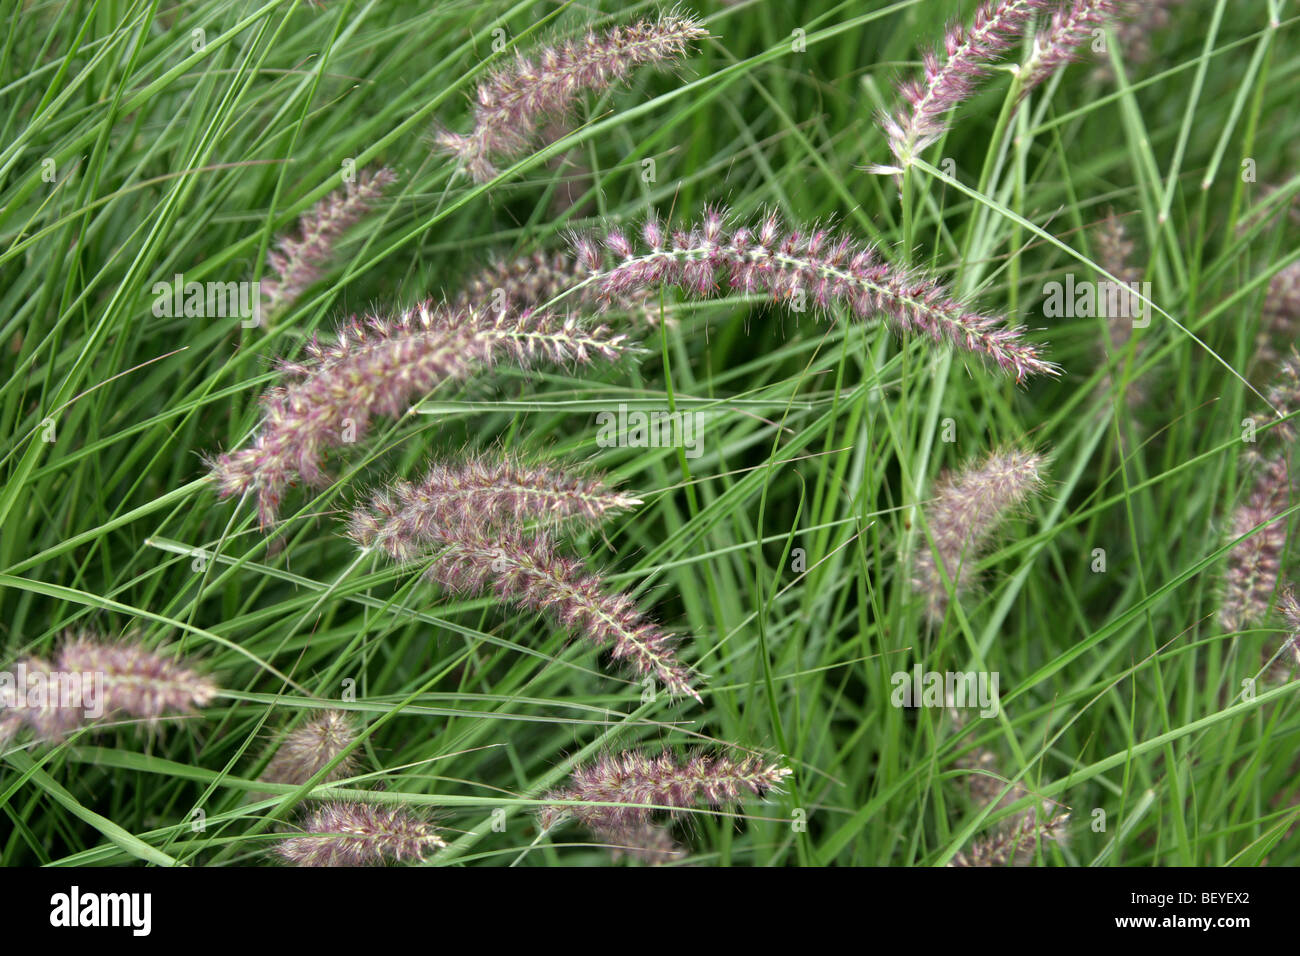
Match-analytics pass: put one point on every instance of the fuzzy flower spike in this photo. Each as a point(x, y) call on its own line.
point(470, 518)
point(801, 269)
point(310, 747)
point(966, 509)
point(377, 368)
point(405, 520)
point(515, 99)
point(1254, 565)
point(949, 79)
point(92, 681)
point(530, 572)
point(344, 833)
point(1067, 30)
point(298, 260)
point(644, 785)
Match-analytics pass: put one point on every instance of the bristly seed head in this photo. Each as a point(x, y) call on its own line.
point(813, 269)
point(968, 53)
point(644, 785)
point(340, 833)
point(298, 261)
point(310, 747)
point(965, 510)
point(1254, 565)
point(135, 682)
point(404, 521)
point(529, 572)
point(377, 368)
point(510, 105)
point(1068, 28)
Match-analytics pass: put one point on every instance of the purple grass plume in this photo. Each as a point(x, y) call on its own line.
point(114, 680)
point(962, 516)
point(1255, 564)
point(813, 269)
point(298, 261)
point(344, 833)
point(378, 367)
point(497, 492)
point(1069, 27)
point(1281, 316)
point(648, 785)
point(1289, 607)
point(1017, 841)
point(528, 571)
point(541, 279)
point(310, 747)
point(950, 76)
point(645, 842)
point(515, 99)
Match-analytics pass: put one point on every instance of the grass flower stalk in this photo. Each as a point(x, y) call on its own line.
point(378, 367)
point(515, 99)
point(644, 784)
point(965, 511)
point(404, 519)
point(299, 260)
point(111, 679)
point(343, 833)
point(810, 269)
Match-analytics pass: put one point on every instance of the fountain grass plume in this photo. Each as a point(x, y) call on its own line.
point(512, 102)
point(133, 681)
point(406, 519)
point(950, 76)
point(528, 571)
point(1254, 565)
point(965, 510)
point(1070, 25)
point(345, 833)
point(800, 269)
point(313, 745)
point(644, 784)
point(378, 367)
point(298, 260)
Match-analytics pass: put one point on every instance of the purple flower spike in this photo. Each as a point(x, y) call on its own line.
point(645, 783)
point(115, 679)
point(1056, 46)
point(359, 834)
point(310, 747)
point(298, 261)
point(404, 520)
point(814, 269)
point(377, 368)
point(515, 99)
point(966, 509)
point(949, 80)
point(528, 572)
point(1255, 564)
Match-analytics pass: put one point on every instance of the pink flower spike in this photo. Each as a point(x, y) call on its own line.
point(298, 261)
point(813, 270)
point(966, 508)
point(341, 833)
point(378, 368)
point(516, 98)
point(948, 81)
point(644, 784)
